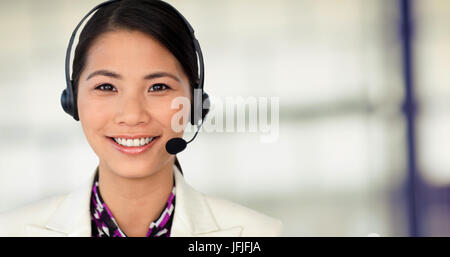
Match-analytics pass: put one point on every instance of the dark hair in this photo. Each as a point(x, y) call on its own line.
point(153, 17)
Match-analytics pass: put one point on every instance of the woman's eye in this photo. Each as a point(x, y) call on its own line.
point(105, 87)
point(158, 87)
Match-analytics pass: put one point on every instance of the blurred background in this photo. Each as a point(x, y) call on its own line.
point(364, 113)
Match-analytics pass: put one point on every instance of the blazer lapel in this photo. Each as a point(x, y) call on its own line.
point(192, 215)
point(34, 231)
point(71, 218)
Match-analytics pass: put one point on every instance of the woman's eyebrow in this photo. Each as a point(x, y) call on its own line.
point(112, 74)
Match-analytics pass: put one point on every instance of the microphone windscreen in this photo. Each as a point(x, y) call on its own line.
point(175, 145)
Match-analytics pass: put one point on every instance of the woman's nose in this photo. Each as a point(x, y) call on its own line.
point(132, 111)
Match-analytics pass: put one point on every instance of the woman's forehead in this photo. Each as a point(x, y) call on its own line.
point(130, 50)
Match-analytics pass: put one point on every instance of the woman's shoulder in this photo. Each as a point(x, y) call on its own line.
point(13, 222)
point(228, 214)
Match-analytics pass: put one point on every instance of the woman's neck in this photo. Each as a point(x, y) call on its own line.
point(135, 202)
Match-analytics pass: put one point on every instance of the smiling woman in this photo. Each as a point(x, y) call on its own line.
point(133, 59)
point(118, 100)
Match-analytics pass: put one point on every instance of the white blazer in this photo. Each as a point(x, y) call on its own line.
point(196, 214)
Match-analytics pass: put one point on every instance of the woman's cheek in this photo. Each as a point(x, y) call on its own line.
point(94, 111)
point(175, 117)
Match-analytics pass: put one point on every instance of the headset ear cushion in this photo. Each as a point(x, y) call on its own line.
point(68, 105)
point(193, 119)
point(206, 105)
point(64, 102)
point(75, 108)
point(75, 115)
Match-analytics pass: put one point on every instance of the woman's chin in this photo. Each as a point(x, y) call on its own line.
point(134, 170)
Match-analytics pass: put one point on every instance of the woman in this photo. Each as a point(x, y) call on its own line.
point(132, 60)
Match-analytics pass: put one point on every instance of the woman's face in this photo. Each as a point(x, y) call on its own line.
point(126, 90)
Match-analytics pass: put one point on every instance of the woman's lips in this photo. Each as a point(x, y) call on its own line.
point(134, 149)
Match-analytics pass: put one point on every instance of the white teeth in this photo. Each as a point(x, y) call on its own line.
point(134, 142)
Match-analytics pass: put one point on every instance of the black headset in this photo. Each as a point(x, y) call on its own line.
point(198, 106)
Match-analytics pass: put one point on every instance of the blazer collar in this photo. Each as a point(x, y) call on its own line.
point(192, 215)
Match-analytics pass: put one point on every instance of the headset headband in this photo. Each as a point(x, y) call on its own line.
point(68, 99)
